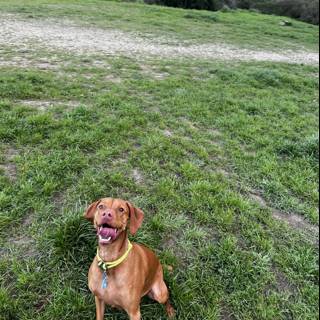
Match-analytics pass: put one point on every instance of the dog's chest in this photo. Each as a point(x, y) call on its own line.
point(109, 295)
point(110, 289)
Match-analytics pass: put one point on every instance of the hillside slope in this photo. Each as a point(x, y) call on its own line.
point(240, 28)
point(206, 121)
point(77, 39)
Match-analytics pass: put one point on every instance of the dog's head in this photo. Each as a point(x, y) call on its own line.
point(112, 216)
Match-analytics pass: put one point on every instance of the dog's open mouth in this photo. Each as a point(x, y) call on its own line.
point(106, 233)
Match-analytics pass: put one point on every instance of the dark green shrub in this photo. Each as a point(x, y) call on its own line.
point(244, 4)
point(212, 5)
point(306, 10)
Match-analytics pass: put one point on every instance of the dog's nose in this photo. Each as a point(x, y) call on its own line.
point(108, 215)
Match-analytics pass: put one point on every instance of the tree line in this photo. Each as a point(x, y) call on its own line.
point(306, 10)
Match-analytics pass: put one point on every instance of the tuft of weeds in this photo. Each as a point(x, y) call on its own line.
point(306, 148)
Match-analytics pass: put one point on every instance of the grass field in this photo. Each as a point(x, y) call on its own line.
point(221, 156)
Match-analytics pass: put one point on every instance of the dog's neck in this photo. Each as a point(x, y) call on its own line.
point(115, 250)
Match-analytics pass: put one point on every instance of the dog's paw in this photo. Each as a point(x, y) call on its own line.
point(170, 311)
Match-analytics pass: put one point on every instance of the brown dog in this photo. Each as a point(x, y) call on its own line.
point(121, 273)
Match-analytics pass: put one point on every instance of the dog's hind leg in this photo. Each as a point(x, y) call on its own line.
point(160, 293)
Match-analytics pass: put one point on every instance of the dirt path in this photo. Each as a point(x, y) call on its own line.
point(69, 37)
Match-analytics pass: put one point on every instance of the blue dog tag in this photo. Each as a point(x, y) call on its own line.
point(104, 280)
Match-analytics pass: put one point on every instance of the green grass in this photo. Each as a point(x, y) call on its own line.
point(202, 139)
point(241, 28)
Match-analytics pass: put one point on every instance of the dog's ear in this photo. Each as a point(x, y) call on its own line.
point(89, 213)
point(136, 218)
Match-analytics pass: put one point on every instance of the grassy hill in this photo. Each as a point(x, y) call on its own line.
point(222, 156)
point(247, 29)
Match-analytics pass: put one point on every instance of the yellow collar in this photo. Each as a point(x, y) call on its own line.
point(104, 265)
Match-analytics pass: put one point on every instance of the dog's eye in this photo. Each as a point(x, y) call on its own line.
point(121, 209)
point(100, 206)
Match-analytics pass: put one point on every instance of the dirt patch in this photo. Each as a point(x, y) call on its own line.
point(257, 198)
point(154, 109)
point(27, 221)
point(21, 241)
point(293, 220)
point(10, 170)
point(215, 138)
point(137, 176)
point(282, 282)
point(214, 132)
point(11, 153)
point(27, 59)
point(9, 167)
point(58, 200)
point(67, 36)
point(225, 312)
point(188, 123)
point(24, 244)
point(43, 105)
point(167, 133)
point(149, 71)
point(113, 79)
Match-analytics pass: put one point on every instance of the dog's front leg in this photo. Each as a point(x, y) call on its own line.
point(134, 314)
point(100, 306)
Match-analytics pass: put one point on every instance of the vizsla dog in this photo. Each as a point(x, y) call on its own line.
point(122, 273)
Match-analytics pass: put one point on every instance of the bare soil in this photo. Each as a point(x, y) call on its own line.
point(67, 36)
point(293, 220)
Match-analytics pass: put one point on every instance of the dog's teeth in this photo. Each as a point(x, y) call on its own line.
point(108, 239)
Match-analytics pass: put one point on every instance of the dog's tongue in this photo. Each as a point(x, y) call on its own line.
point(108, 232)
